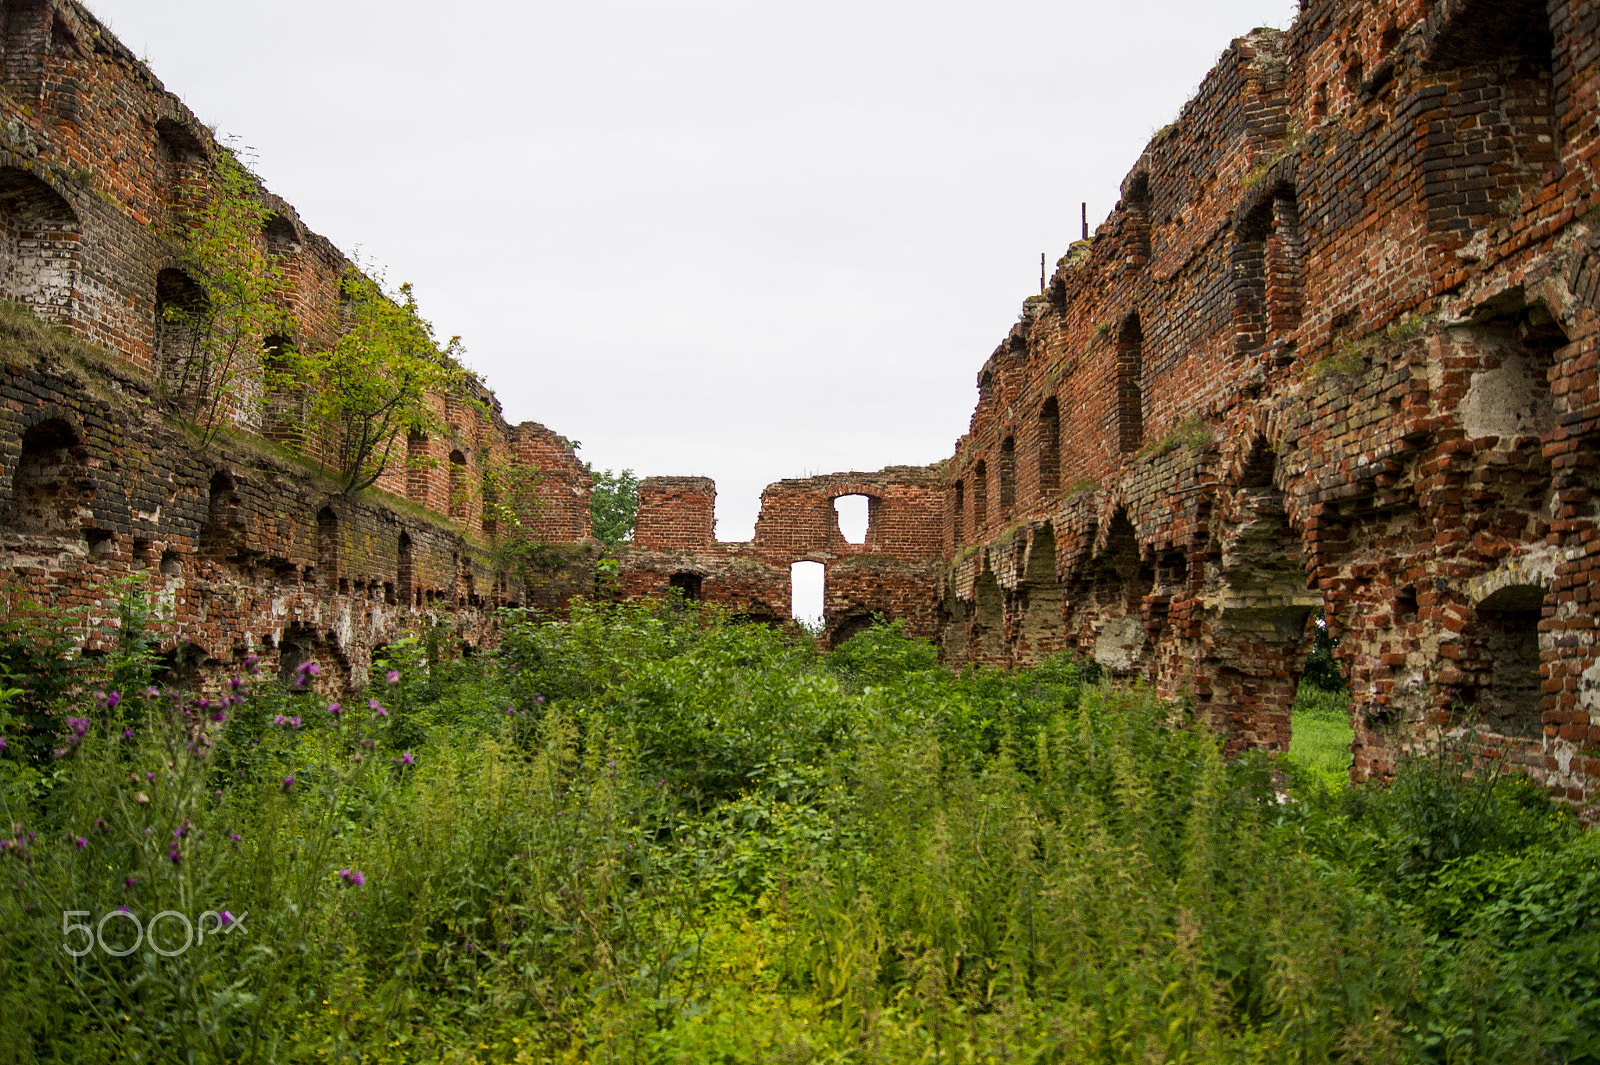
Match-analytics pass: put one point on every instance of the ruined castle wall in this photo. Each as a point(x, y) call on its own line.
point(1335, 347)
point(893, 572)
point(248, 541)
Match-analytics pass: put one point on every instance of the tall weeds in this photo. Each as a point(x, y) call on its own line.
point(649, 835)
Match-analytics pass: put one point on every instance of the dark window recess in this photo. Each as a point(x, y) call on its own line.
point(686, 585)
point(1130, 385)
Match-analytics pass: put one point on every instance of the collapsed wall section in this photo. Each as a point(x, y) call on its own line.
point(892, 573)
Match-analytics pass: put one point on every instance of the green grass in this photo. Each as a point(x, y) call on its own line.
point(1320, 742)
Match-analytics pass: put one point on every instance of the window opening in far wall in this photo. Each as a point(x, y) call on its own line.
point(853, 518)
point(807, 581)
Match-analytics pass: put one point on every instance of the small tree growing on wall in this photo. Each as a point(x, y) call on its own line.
point(223, 333)
point(371, 388)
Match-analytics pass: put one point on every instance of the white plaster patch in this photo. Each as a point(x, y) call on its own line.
point(1118, 644)
point(1507, 402)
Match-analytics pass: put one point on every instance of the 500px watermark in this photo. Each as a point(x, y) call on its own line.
point(222, 923)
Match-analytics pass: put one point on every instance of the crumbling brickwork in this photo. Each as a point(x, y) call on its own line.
point(1334, 348)
point(893, 572)
point(247, 543)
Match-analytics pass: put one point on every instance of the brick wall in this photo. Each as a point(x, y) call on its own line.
point(1335, 348)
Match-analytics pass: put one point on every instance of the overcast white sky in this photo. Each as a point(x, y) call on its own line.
point(742, 240)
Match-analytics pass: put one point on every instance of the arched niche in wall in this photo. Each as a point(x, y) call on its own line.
point(1501, 651)
point(980, 498)
point(460, 495)
point(1130, 385)
point(50, 488)
point(685, 586)
point(418, 462)
point(1136, 202)
point(283, 398)
point(40, 246)
point(224, 529)
point(1498, 137)
point(328, 549)
point(958, 513)
point(1049, 446)
point(180, 161)
point(1008, 476)
point(1266, 270)
point(181, 328)
point(405, 571)
point(279, 236)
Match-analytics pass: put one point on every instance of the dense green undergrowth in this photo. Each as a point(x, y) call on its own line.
point(647, 835)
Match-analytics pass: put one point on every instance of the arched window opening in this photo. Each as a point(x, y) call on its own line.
point(808, 589)
point(685, 586)
point(460, 497)
point(855, 516)
point(1130, 385)
point(328, 548)
point(417, 462)
point(1008, 476)
point(980, 498)
point(403, 571)
point(958, 514)
point(40, 242)
point(49, 488)
point(183, 319)
point(1050, 446)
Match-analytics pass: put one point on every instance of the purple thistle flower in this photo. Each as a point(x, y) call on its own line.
point(352, 877)
point(280, 719)
point(393, 676)
point(235, 837)
point(288, 782)
point(295, 721)
point(127, 733)
point(226, 918)
point(81, 842)
point(112, 699)
point(174, 855)
point(378, 709)
point(124, 908)
point(129, 881)
point(219, 716)
point(335, 709)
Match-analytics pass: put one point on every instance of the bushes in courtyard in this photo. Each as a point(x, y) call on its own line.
point(649, 835)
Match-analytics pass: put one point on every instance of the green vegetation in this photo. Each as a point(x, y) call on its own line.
point(613, 505)
point(647, 835)
point(1351, 355)
point(1320, 743)
point(373, 386)
point(239, 304)
point(1191, 434)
